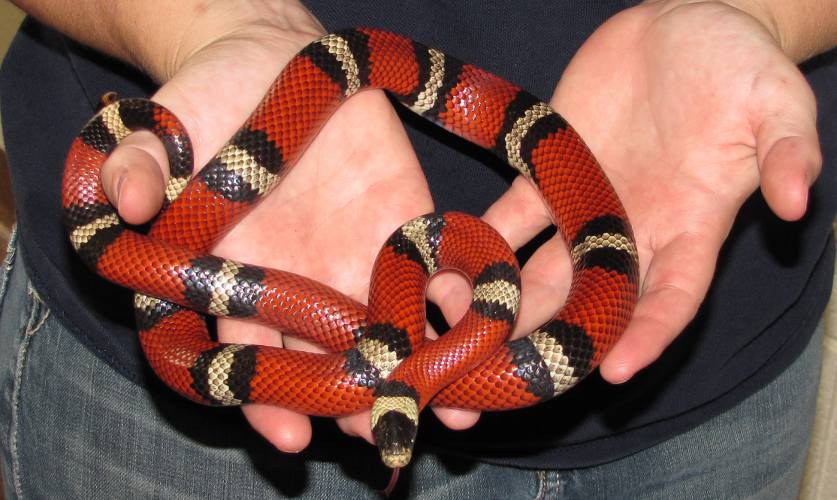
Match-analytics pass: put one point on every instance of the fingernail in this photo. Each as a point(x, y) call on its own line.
point(119, 183)
point(619, 375)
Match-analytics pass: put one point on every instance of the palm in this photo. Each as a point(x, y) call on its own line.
point(674, 107)
point(666, 111)
point(357, 182)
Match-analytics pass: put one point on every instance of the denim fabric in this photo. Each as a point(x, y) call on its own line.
point(73, 427)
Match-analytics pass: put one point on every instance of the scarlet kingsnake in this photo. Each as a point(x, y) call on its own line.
point(469, 367)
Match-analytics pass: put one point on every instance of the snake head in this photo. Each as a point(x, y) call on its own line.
point(394, 426)
point(395, 435)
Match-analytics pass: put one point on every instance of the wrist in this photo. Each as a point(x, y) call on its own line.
point(283, 26)
point(800, 29)
point(781, 21)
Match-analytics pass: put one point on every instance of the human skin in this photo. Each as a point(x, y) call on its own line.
point(681, 66)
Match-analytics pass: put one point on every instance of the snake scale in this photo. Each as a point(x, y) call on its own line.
point(378, 358)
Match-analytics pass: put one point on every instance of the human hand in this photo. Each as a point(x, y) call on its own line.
point(356, 183)
point(689, 107)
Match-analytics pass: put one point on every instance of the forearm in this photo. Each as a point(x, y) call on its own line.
point(158, 35)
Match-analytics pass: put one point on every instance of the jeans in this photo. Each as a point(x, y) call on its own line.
point(72, 427)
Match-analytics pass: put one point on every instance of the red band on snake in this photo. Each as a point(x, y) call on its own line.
point(378, 357)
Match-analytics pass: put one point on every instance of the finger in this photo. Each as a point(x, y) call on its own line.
point(519, 215)
point(787, 172)
point(545, 281)
point(357, 425)
point(285, 429)
point(456, 419)
point(360, 425)
point(212, 108)
point(134, 177)
point(784, 118)
point(452, 292)
point(677, 281)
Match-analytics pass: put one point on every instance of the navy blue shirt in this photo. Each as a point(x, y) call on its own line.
point(772, 283)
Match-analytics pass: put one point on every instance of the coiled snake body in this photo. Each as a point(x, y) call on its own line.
point(378, 358)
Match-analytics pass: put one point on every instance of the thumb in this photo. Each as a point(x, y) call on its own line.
point(134, 177)
point(784, 118)
point(240, 73)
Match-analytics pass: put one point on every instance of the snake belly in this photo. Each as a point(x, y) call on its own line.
point(175, 276)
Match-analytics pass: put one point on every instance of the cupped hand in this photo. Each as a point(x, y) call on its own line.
point(689, 107)
point(357, 182)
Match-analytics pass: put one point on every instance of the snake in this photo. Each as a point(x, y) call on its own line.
point(377, 356)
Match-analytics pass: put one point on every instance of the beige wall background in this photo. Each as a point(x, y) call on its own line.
point(821, 472)
point(10, 18)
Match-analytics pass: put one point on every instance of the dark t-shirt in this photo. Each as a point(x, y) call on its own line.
point(772, 283)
